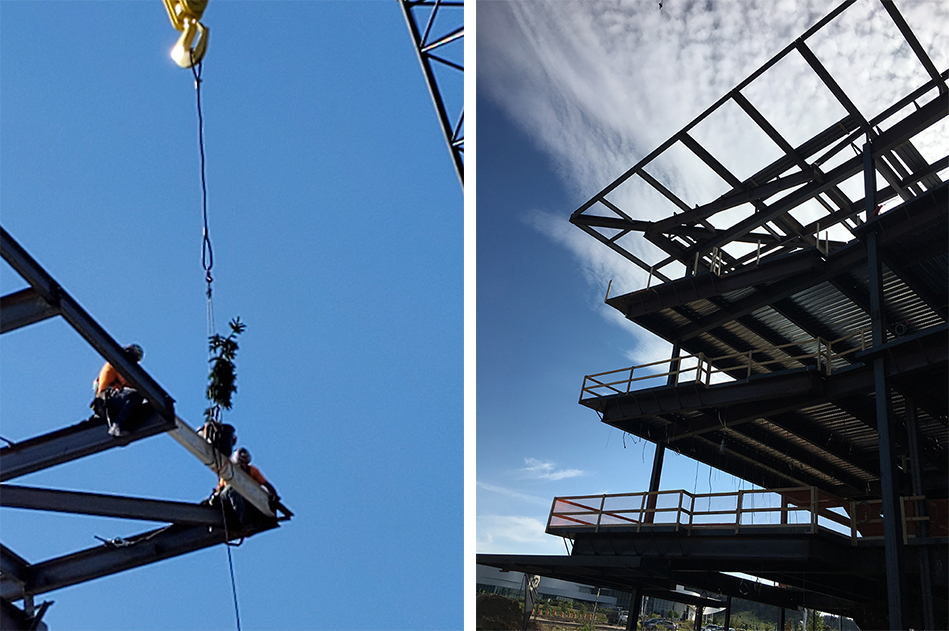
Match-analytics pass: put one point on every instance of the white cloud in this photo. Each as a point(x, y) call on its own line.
point(515, 534)
point(598, 85)
point(547, 471)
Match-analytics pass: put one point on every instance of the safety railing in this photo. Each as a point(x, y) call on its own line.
point(797, 509)
point(825, 355)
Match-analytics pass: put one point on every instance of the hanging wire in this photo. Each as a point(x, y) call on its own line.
point(207, 253)
point(207, 262)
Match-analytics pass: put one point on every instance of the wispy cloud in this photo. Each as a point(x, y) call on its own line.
point(522, 497)
point(599, 85)
point(547, 471)
point(515, 534)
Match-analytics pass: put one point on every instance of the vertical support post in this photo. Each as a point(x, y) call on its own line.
point(699, 614)
point(892, 526)
point(781, 620)
point(922, 527)
point(635, 606)
point(674, 363)
point(654, 480)
point(728, 612)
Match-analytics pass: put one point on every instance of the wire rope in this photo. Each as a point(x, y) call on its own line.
point(207, 263)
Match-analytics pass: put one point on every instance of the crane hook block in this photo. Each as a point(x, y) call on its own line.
point(185, 16)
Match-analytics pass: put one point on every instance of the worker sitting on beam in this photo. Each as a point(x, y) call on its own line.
point(116, 402)
point(236, 510)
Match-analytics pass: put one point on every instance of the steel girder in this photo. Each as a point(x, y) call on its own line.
point(109, 505)
point(116, 556)
point(63, 445)
point(431, 37)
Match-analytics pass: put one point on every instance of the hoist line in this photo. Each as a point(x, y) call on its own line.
point(207, 253)
point(207, 262)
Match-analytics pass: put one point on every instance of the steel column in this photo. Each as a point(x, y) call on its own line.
point(635, 608)
point(922, 528)
point(892, 526)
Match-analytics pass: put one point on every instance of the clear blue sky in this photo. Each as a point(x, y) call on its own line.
point(336, 219)
point(570, 96)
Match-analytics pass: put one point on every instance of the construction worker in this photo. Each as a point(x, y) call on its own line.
point(234, 504)
point(116, 401)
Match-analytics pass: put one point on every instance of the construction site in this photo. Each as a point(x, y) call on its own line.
point(43, 311)
point(807, 310)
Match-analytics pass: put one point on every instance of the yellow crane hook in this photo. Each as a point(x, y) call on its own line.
point(185, 16)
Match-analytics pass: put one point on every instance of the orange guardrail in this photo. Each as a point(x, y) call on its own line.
point(803, 508)
point(702, 369)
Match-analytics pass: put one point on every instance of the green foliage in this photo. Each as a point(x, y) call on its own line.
point(222, 380)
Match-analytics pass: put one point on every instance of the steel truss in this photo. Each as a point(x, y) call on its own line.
point(437, 30)
point(191, 526)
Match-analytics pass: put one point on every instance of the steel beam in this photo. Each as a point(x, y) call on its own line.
point(221, 465)
point(22, 308)
point(77, 441)
point(142, 549)
point(108, 505)
point(55, 296)
point(12, 566)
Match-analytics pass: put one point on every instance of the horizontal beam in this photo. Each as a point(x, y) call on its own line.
point(143, 549)
point(221, 465)
point(23, 308)
point(55, 296)
point(108, 505)
point(77, 441)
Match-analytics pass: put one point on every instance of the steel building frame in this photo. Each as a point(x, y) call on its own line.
point(191, 526)
point(834, 354)
point(433, 25)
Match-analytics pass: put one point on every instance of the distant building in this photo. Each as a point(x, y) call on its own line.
point(511, 584)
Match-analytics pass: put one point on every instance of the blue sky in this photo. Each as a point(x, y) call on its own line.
point(336, 218)
point(571, 95)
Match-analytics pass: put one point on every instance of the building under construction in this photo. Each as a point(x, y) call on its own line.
point(807, 308)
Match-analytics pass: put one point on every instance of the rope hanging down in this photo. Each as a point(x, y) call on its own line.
point(207, 263)
point(207, 253)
